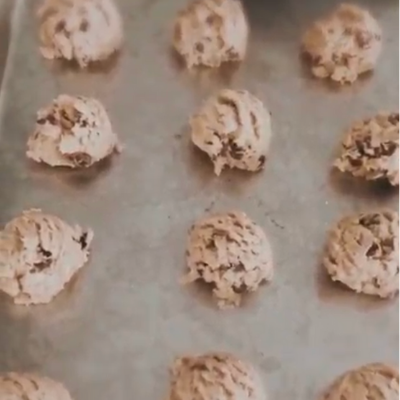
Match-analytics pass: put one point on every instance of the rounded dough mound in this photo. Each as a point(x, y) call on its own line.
point(234, 129)
point(211, 32)
point(363, 253)
point(370, 149)
point(72, 132)
point(39, 254)
point(215, 376)
point(84, 31)
point(230, 252)
point(343, 45)
point(370, 382)
point(15, 386)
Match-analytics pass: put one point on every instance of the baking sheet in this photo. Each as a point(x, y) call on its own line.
point(115, 330)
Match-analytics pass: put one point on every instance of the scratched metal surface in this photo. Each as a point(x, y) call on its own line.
point(113, 333)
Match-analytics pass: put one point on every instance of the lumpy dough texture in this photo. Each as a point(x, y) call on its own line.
point(81, 30)
point(234, 129)
point(370, 149)
point(370, 382)
point(363, 253)
point(72, 132)
point(230, 252)
point(215, 376)
point(343, 45)
point(211, 32)
point(16, 386)
point(39, 254)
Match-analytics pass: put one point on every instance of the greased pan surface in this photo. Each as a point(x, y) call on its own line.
point(116, 329)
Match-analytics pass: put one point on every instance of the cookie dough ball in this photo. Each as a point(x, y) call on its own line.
point(84, 31)
point(14, 386)
point(234, 129)
point(215, 376)
point(370, 382)
point(370, 149)
point(39, 255)
point(343, 45)
point(363, 253)
point(211, 32)
point(72, 132)
point(230, 252)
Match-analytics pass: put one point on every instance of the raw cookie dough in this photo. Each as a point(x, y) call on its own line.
point(72, 132)
point(39, 255)
point(363, 253)
point(211, 32)
point(234, 129)
point(343, 45)
point(81, 30)
point(370, 149)
point(15, 386)
point(230, 252)
point(370, 382)
point(215, 376)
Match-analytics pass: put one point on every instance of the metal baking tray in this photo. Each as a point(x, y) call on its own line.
point(113, 333)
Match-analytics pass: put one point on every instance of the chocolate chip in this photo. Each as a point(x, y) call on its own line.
point(388, 149)
point(211, 19)
point(84, 26)
point(375, 283)
point(51, 119)
point(235, 151)
point(200, 47)
point(369, 220)
point(232, 53)
point(355, 162)
point(363, 39)
point(41, 266)
point(60, 26)
point(261, 160)
point(211, 244)
point(388, 245)
point(372, 250)
point(46, 259)
point(360, 144)
point(83, 122)
point(224, 149)
point(83, 241)
point(394, 118)
point(69, 117)
point(45, 253)
point(80, 159)
point(198, 367)
point(230, 103)
point(239, 267)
